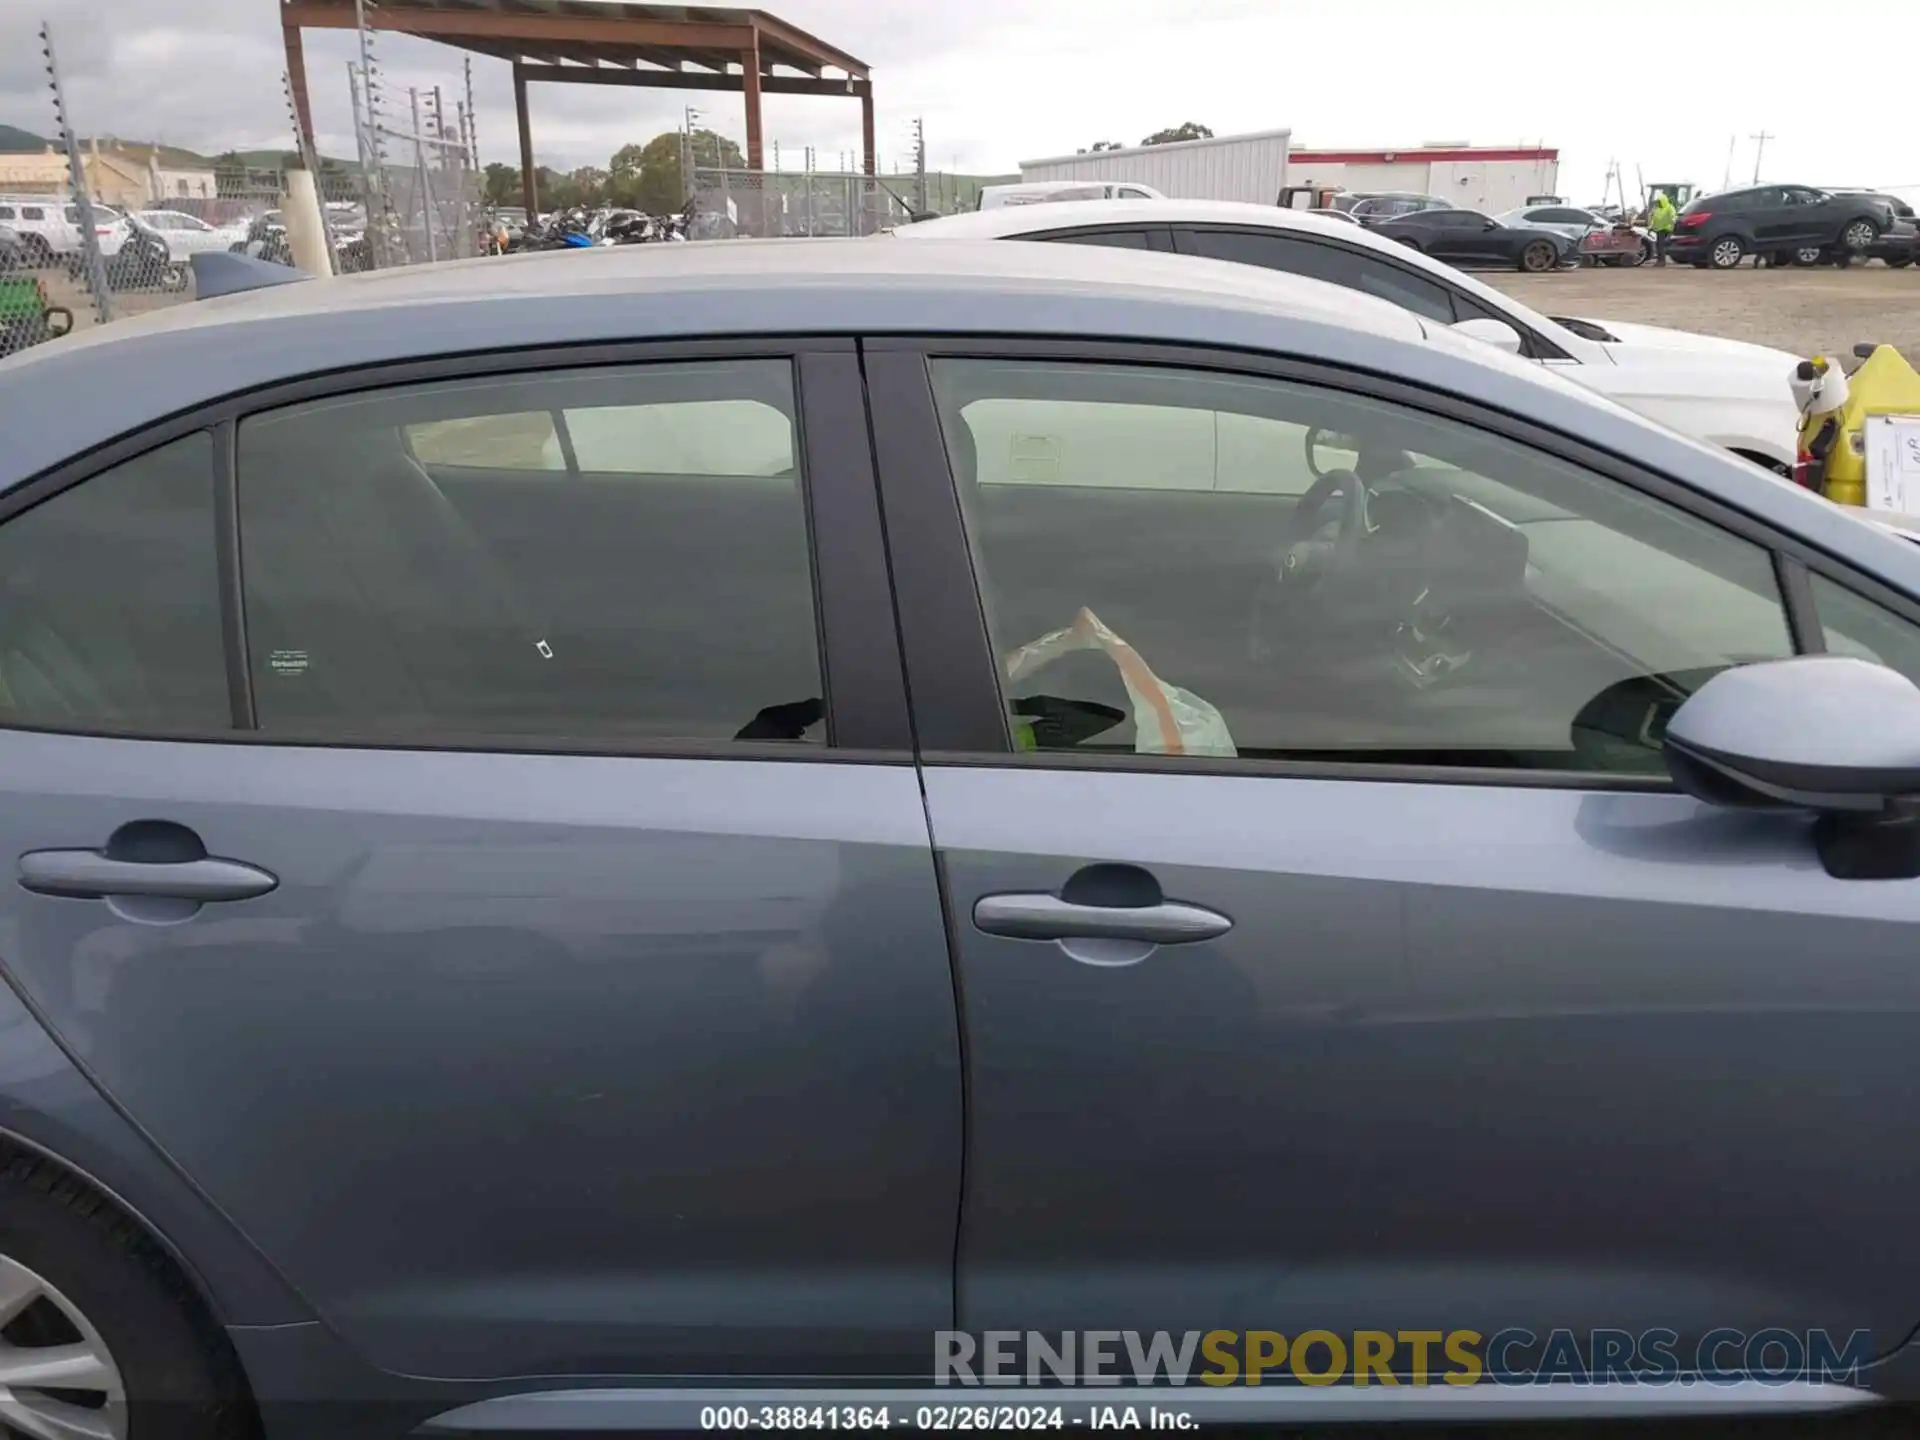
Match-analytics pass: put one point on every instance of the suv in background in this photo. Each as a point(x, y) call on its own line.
point(1780, 223)
point(39, 224)
point(1899, 246)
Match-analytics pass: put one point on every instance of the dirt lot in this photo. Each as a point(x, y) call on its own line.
point(1806, 311)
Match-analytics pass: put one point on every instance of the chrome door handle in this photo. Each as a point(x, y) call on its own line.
point(1048, 917)
point(92, 875)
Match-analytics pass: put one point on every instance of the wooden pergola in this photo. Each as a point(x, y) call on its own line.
point(583, 42)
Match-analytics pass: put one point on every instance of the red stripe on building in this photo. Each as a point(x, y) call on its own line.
point(1388, 157)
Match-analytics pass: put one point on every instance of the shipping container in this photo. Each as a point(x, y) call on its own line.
point(1228, 167)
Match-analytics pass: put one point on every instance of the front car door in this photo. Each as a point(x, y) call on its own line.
point(566, 991)
point(1334, 950)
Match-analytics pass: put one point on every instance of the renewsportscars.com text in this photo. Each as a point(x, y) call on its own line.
point(1394, 1357)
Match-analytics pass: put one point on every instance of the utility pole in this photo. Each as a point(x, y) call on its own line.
point(1759, 149)
point(77, 177)
point(1726, 180)
point(920, 165)
point(472, 136)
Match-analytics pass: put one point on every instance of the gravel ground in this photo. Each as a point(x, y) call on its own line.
point(1808, 311)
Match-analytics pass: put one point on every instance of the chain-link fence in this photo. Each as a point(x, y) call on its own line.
point(771, 203)
point(93, 231)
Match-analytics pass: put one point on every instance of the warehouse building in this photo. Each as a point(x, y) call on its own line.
point(1227, 167)
point(1257, 167)
point(1470, 177)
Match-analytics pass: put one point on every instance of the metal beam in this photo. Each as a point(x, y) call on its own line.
point(529, 194)
point(751, 78)
point(694, 80)
point(795, 40)
point(498, 25)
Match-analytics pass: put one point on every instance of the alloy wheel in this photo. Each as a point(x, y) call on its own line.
point(58, 1380)
point(1859, 235)
point(1727, 253)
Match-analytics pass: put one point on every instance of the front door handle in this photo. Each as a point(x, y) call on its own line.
point(94, 875)
point(1048, 917)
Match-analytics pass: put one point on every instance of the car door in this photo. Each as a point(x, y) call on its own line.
point(1775, 216)
point(1334, 950)
point(506, 895)
point(1815, 215)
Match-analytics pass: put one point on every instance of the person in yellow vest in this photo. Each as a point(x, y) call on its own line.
point(1660, 220)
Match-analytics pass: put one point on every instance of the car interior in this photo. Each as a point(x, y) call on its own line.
point(1382, 597)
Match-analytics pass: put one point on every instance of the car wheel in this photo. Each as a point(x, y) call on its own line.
point(1858, 236)
point(102, 1334)
point(1639, 257)
point(1726, 252)
point(38, 253)
point(1808, 255)
point(1538, 258)
point(174, 278)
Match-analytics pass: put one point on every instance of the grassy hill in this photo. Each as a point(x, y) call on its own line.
point(15, 141)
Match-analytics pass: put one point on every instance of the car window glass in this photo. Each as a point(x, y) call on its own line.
point(6, 212)
point(1118, 239)
point(32, 212)
point(1158, 562)
point(1336, 264)
point(415, 565)
point(110, 601)
point(1856, 626)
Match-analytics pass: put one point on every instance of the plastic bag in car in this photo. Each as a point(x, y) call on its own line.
point(1167, 720)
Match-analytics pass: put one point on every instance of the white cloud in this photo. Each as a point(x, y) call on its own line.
point(1001, 80)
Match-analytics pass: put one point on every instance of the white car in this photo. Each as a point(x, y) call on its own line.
point(1730, 393)
point(186, 235)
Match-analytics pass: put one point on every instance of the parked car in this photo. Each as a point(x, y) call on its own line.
point(741, 962)
point(1781, 221)
point(1726, 392)
point(187, 235)
point(1371, 207)
point(1467, 237)
point(37, 221)
point(1567, 220)
point(1899, 244)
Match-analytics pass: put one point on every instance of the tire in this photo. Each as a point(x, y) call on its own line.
point(1859, 236)
point(1539, 257)
point(1727, 252)
point(1643, 256)
point(1808, 255)
point(175, 278)
point(102, 1283)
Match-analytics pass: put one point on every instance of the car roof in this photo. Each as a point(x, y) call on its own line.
point(60, 400)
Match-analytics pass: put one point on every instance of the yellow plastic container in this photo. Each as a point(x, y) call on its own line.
point(1885, 384)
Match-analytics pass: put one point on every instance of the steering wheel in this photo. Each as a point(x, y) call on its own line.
point(1300, 553)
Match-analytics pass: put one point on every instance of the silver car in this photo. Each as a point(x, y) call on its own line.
point(1567, 220)
point(633, 839)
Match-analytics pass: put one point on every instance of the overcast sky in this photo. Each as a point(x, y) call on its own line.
point(1662, 85)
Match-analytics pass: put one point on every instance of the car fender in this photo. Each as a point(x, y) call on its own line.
point(50, 1106)
point(1734, 406)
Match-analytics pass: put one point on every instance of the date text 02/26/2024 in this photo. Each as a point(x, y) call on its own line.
point(1083, 1415)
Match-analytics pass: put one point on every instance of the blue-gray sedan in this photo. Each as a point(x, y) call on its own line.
point(600, 839)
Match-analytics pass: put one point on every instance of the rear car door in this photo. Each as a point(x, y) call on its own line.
point(467, 819)
point(1334, 950)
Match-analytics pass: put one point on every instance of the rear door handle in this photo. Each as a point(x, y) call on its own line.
point(1048, 917)
point(92, 875)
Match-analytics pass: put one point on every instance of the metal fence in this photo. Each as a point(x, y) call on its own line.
point(88, 237)
point(766, 204)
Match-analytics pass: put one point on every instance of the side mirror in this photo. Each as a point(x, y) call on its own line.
point(1826, 733)
point(1496, 333)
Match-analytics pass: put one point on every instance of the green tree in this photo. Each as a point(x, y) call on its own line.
point(647, 177)
point(1097, 147)
point(501, 184)
point(1188, 131)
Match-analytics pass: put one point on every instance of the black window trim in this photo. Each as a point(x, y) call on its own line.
point(1535, 345)
point(952, 675)
point(1159, 234)
point(860, 661)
